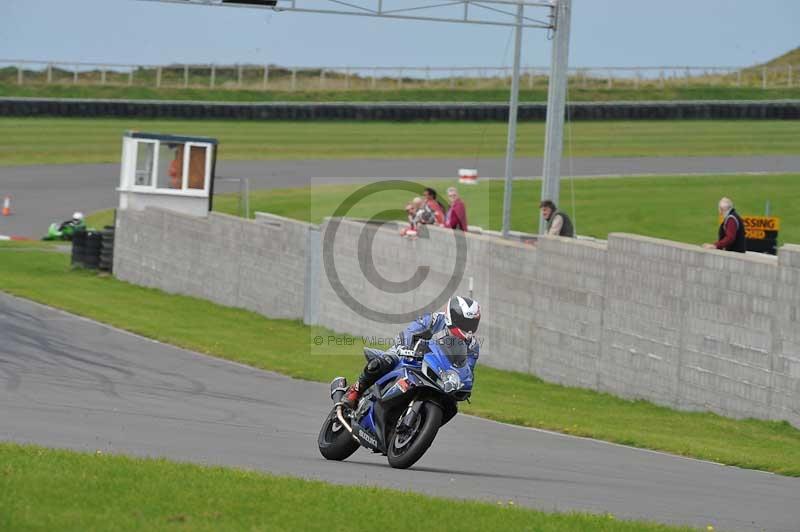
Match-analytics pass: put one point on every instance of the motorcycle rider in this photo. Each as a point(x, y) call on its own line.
point(460, 320)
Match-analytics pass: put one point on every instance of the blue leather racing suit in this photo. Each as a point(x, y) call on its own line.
point(425, 327)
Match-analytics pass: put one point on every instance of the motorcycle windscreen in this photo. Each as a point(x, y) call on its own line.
point(454, 349)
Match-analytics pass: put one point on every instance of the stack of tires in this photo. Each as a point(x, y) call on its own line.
point(86, 249)
point(107, 249)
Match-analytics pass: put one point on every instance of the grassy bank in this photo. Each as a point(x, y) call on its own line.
point(674, 208)
point(438, 94)
point(505, 396)
point(42, 489)
point(66, 140)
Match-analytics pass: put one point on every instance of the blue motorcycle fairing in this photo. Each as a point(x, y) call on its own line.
point(385, 390)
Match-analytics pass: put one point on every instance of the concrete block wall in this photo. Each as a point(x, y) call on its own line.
point(638, 317)
point(254, 264)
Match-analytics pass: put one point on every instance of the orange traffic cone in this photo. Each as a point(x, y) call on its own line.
point(7, 206)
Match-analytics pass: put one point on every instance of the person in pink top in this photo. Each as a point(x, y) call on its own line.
point(457, 214)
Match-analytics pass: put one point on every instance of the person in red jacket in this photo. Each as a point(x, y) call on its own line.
point(457, 214)
point(731, 234)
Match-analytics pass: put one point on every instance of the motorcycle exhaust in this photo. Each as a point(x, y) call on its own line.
point(338, 387)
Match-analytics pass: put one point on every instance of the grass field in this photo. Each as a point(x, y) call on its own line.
point(42, 489)
point(30, 270)
point(675, 208)
point(26, 141)
point(441, 94)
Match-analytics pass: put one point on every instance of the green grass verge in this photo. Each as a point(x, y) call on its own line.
point(42, 489)
point(517, 398)
point(674, 208)
point(439, 94)
point(73, 140)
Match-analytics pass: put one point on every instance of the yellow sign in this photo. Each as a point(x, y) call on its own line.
point(756, 227)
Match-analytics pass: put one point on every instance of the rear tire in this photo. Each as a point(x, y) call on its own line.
point(335, 445)
point(403, 457)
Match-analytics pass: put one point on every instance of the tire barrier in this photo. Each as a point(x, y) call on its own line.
point(680, 110)
point(106, 263)
point(86, 249)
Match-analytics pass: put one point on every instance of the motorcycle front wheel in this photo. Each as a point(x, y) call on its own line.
point(335, 442)
point(407, 446)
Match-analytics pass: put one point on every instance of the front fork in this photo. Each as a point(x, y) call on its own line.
point(410, 416)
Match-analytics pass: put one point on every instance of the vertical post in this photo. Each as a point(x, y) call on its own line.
point(20, 77)
point(294, 79)
point(158, 77)
point(556, 106)
point(322, 78)
point(130, 77)
point(239, 76)
point(766, 208)
point(213, 76)
point(789, 75)
point(530, 79)
point(374, 80)
point(739, 78)
point(610, 80)
point(265, 81)
point(347, 78)
point(661, 79)
point(428, 76)
point(763, 77)
point(513, 108)
point(400, 78)
point(686, 79)
point(75, 75)
point(185, 76)
point(103, 76)
point(49, 74)
point(452, 79)
point(636, 80)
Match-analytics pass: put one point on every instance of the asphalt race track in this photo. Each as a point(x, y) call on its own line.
point(73, 383)
point(45, 194)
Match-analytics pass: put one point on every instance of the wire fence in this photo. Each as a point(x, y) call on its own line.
point(344, 78)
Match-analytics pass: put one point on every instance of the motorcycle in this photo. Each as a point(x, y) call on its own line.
point(400, 415)
point(63, 231)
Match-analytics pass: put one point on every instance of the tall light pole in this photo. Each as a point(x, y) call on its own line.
point(556, 106)
point(513, 110)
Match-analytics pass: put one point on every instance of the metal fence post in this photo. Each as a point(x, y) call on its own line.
point(763, 77)
point(610, 80)
point(130, 76)
point(185, 76)
point(49, 73)
point(789, 75)
point(103, 77)
point(266, 77)
point(19, 75)
point(239, 76)
point(158, 77)
point(294, 78)
point(213, 76)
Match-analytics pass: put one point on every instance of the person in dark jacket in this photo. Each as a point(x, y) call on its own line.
point(558, 223)
point(731, 233)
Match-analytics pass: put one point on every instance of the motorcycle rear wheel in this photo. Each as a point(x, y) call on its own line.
point(335, 444)
point(404, 450)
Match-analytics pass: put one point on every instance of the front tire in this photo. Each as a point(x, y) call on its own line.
point(335, 444)
point(406, 448)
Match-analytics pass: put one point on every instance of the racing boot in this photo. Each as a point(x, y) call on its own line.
point(352, 395)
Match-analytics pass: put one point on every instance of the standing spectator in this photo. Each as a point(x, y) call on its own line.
point(731, 234)
point(433, 204)
point(558, 223)
point(457, 214)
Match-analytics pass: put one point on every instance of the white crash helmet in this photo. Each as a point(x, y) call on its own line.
point(77, 216)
